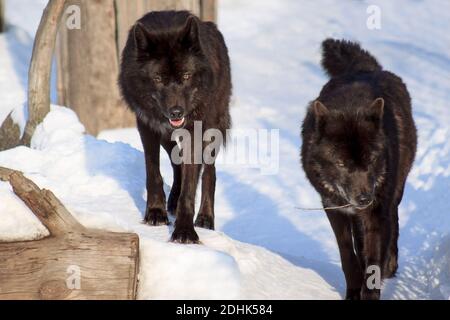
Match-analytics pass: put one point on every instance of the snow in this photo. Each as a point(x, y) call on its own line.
point(263, 247)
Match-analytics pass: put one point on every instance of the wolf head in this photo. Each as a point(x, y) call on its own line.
point(348, 150)
point(165, 74)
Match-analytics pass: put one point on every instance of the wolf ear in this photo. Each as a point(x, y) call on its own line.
point(376, 109)
point(141, 36)
point(320, 110)
point(190, 32)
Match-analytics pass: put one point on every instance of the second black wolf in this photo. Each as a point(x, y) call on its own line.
point(175, 70)
point(359, 143)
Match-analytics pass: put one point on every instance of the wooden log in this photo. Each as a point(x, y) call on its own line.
point(74, 262)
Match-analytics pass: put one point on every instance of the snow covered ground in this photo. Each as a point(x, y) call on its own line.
point(264, 246)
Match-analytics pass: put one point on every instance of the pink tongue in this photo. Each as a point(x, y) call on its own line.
point(176, 123)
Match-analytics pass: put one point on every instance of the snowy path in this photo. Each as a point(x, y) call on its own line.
point(274, 47)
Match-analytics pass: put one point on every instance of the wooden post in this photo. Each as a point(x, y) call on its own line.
point(73, 262)
point(88, 68)
point(2, 16)
point(208, 10)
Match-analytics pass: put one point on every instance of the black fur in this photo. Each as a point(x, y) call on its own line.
point(359, 143)
point(175, 70)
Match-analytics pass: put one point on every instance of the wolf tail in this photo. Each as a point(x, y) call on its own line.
point(340, 57)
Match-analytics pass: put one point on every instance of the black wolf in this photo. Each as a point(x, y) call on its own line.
point(359, 143)
point(175, 70)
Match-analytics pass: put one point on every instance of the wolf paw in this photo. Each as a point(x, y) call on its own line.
point(156, 217)
point(185, 235)
point(205, 221)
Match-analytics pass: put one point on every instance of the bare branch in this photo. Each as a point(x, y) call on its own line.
point(40, 67)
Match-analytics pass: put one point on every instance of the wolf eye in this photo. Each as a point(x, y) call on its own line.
point(186, 76)
point(157, 79)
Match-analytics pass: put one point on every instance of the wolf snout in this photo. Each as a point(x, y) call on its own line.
point(364, 199)
point(176, 117)
point(176, 113)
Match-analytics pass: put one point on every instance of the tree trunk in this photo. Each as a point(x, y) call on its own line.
point(208, 10)
point(73, 262)
point(40, 68)
point(88, 68)
point(2, 16)
point(88, 59)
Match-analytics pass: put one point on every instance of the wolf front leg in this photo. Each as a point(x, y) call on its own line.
point(205, 218)
point(376, 242)
point(171, 147)
point(155, 213)
point(341, 225)
point(391, 263)
point(184, 225)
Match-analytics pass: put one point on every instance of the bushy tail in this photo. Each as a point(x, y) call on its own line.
point(340, 57)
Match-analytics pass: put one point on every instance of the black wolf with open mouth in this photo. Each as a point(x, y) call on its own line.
point(175, 70)
point(359, 143)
